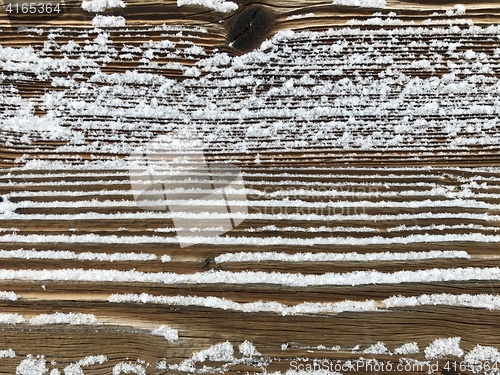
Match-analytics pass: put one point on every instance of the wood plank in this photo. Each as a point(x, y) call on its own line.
point(367, 142)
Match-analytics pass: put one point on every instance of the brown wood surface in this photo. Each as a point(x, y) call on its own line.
point(280, 339)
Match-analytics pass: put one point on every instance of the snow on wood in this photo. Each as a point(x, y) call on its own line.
point(70, 255)
point(407, 348)
point(128, 368)
point(362, 3)
point(323, 228)
point(101, 5)
point(116, 257)
point(348, 140)
point(311, 117)
point(64, 318)
point(8, 296)
point(218, 352)
point(221, 352)
point(390, 175)
point(170, 334)
point(378, 348)
point(108, 21)
point(7, 318)
point(480, 357)
point(225, 304)
point(484, 301)
point(217, 5)
point(166, 258)
point(317, 206)
point(248, 277)
point(247, 349)
point(254, 241)
point(299, 16)
point(440, 348)
point(337, 257)
point(7, 353)
point(32, 365)
point(92, 360)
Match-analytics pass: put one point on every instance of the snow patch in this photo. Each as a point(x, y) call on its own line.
point(247, 349)
point(7, 318)
point(166, 258)
point(98, 6)
point(131, 77)
point(481, 355)
point(485, 301)
point(458, 10)
point(108, 21)
point(378, 348)
point(32, 366)
point(362, 3)
point(92, 360)
point(8, 296)
point(7, 208)
point(7, 353)
point(25, 122)
point(260, 306)
point(128, 368)
point(217, 5)
point(222, 352)
point(440, 348)
point(170, 334)
point(64, 318)
point(407, 348)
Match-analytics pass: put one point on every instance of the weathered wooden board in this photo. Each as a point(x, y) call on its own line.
point(368, 146)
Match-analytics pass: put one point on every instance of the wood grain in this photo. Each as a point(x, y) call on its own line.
point(420, 169)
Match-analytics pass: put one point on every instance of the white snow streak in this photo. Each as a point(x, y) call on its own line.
point(102, 5)
point(338, 257)
point(7, 318)
point(64, 318)
point(70, 255)
point(485, 301)
point(247, 277)
point(217, 5)
point(362, 3)
point(225, 304)
point(254, 241)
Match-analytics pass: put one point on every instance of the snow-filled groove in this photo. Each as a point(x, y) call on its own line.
point(200, 187)
point(329, 257)
point(251, 241)
point(250, 277)
point(485, 301)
